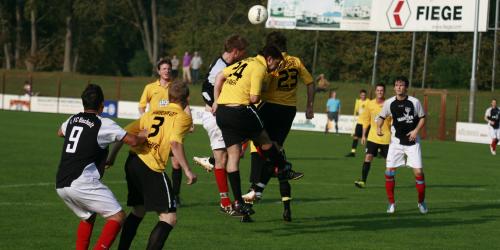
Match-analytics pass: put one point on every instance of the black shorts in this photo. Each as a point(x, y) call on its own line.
point(333, 116)
point(147, 187)
point(358, 131)
point(373, 148)
point(238, 123)
point(277, 120)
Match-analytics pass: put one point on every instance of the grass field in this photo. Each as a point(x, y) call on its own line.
point(463, 196)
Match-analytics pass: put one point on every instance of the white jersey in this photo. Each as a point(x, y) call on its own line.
point(405, 117)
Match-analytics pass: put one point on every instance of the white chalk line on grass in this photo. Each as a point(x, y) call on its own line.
point(272, 183)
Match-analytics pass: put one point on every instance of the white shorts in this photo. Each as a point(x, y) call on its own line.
point(494, 133)
point(401, 155)
point(214, 132)
point(87, 195)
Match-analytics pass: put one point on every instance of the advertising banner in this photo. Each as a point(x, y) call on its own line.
point(110, 109)
point(472, 132)
point(377, 15)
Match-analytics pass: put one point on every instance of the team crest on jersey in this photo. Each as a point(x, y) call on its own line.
point(163, 103)
point(406, 116)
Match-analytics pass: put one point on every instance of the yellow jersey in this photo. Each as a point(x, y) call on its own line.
point(369, 118)
point(154, 94)
point(359, 107)
point(282, 88)
point(164, 125)
point(243, 79)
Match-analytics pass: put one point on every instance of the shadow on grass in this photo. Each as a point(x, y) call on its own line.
point(403, 219)
point(314, 158)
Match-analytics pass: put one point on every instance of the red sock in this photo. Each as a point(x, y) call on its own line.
point(420, 184)
point(221, 179)
point(390, 183)
point(83, 235)
point(494, 144)
point(108, 235)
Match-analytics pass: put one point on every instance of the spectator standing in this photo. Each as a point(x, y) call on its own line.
point(175, 66)
point(186, 67)
point(196, 63)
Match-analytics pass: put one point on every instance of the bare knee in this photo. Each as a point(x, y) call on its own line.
point(170, 218)
point(118, 217)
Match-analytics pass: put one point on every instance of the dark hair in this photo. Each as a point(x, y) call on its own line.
point(277, 39)
point(403, 79)
point(235, 42)
point(178, 92)
point(92, 97)
point(163, 61)
point(380, 85)
point(272, 51)
point(362, 91)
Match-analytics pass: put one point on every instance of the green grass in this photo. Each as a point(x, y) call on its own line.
point(463, 196)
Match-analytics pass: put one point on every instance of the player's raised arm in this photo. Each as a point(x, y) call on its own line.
point(219, 81)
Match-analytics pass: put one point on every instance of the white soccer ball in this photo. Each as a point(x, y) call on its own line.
point(257, 14)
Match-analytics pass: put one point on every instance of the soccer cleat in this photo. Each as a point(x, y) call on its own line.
point(242, 209)
point(391, 208)
point(287, 215)
point(493, 152)
point(351, 154)
point(227, 210)
point(249, 197)
point(246, 218)
point(204, 163)
point(360, 184)
point(422, 207)
point(289, 175)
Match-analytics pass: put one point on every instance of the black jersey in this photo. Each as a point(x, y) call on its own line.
point(86, 140)
point(405, 117)
point(207, 90)
point(493, 115)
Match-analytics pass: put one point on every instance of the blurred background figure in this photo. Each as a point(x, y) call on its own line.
point(196, 63)
point(175, 66)
point(186, 67)
point(321, 83)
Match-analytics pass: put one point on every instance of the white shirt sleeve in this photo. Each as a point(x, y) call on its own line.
point(487, 113)
point(109, 132)
point(218, 67)
point(418, 109)
point(386, 109)
point(64, 125)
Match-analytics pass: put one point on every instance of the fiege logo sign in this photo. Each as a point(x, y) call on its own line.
point(400, 12)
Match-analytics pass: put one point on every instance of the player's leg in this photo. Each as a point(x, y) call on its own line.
point(84, 233)
point(161, 230)
point(395, 158)
point(365, 169)
point(221, 177)
point(232, 166)
point(176, 179)
point(414, 160)
point(358, 131)
point(286, 198)
point(135, 199)
point(110, 230)
point(158, 196)
point(336, 119)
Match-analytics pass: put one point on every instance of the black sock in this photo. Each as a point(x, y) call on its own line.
point(366, 169)
point(235, 181)
point(129, 230)
point(256, 167)
point(159, 235)
point(176, 181)
point(354, 144)
point(286, 194)
point(211, 160)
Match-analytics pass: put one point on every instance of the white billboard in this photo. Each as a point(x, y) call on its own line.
point(377, 15)
point(472, 132)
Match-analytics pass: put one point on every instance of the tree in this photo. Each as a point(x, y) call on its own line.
point(68, 39)
point(147, 24)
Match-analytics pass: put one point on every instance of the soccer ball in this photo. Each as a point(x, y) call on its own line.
point(257, 14)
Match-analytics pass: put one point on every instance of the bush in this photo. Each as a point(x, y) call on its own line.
point(139, 65)
point(450, 71)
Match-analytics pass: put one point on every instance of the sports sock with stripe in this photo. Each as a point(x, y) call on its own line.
point(390, 183)
point(420, 185)
point(221, 179)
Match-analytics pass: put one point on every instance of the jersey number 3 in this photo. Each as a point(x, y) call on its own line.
point(156, 127)
point(73, 139)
